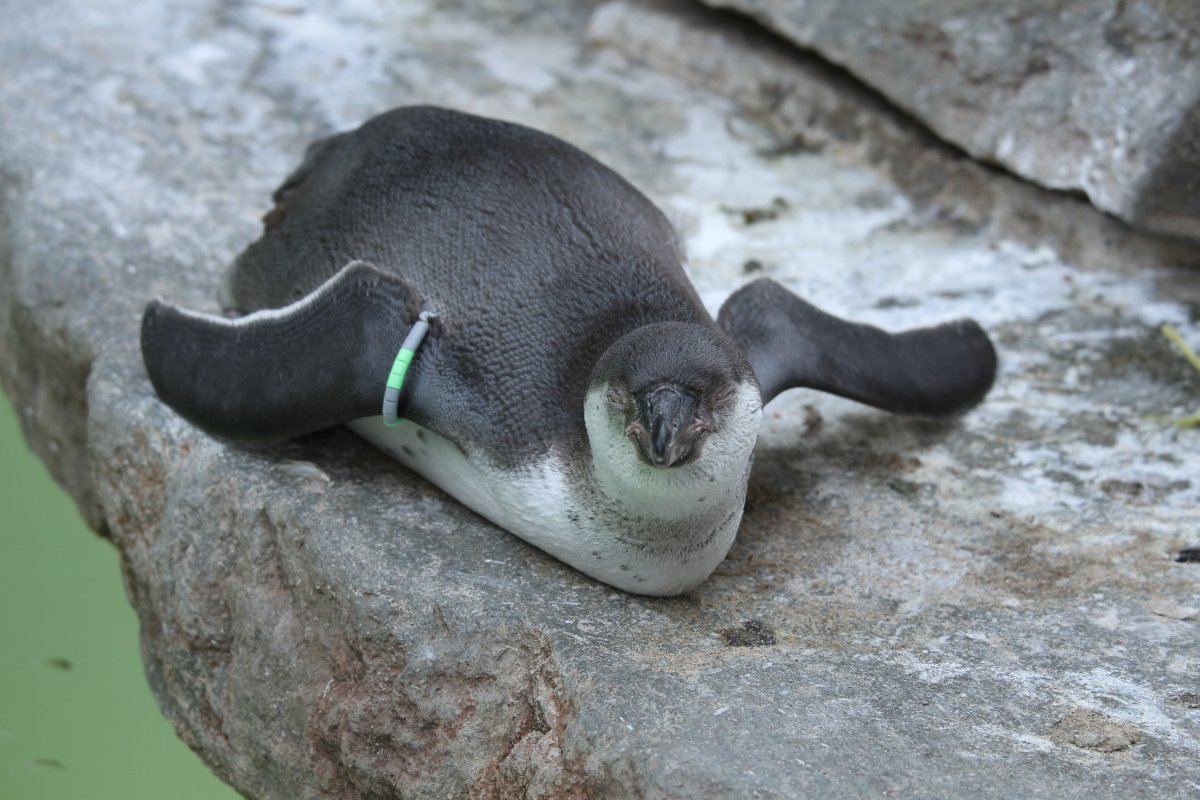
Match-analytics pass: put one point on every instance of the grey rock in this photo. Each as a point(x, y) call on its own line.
point(808, 107)
point(1080, 95)
point(911, 608)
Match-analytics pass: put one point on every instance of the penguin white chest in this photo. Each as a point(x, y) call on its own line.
point(647, 544)
point(532, 502)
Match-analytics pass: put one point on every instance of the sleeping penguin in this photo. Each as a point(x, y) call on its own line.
point(570, 385)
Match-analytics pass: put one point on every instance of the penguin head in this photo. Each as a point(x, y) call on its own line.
point(671, 388)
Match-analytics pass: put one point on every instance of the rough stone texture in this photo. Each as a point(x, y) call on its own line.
point(809, 107)
point(983, 608)
point(1095, 96)
point(1092, 730)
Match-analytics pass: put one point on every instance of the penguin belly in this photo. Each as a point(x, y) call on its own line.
point(541, 504)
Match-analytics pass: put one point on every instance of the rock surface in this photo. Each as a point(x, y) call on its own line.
point(1080, 95)
point(986, 608)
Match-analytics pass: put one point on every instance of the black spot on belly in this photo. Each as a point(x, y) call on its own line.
point(596, 553)
point(624, 568)
point(420, 434)
point(408, 451)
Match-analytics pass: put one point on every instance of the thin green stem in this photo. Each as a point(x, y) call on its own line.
point(1173, 334)
point(1191, 420)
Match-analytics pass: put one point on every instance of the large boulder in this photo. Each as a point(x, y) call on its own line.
point(1089, 96)
point(989, 607)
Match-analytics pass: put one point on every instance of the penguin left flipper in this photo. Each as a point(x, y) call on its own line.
point(316, 363)
point(790, 343)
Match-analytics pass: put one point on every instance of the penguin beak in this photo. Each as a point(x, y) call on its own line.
point(666, 427)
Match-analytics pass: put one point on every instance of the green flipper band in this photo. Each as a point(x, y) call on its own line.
point(395, 381)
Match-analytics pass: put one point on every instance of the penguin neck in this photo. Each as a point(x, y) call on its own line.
point(704, 486)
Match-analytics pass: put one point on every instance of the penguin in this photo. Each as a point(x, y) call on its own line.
point(571, 388)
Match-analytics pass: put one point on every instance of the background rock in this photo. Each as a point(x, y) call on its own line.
point(910, 607)
point(1080, 95)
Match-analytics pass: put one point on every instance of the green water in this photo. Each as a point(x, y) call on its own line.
point(76, 717)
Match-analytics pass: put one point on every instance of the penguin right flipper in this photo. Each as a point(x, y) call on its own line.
point(316, 363)
point(937, 371)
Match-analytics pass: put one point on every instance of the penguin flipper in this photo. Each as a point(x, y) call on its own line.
point(316, 363)
point(935, 371)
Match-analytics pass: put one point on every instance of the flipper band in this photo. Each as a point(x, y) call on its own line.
point(395, 381)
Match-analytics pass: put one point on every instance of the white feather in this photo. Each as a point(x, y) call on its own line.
point(642, 529)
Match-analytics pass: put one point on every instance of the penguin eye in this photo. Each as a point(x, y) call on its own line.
point(723, 395)
point(618, 399)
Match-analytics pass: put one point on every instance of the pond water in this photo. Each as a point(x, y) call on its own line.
point(77, 719)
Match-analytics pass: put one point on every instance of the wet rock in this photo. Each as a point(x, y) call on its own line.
point(750, 633)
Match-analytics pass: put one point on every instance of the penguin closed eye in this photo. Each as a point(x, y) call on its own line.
point(558, 294)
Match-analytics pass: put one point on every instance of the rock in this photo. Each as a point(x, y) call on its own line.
point(317, 622)
point(1092, 730)
point(807, 106)
point(1079, 95)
